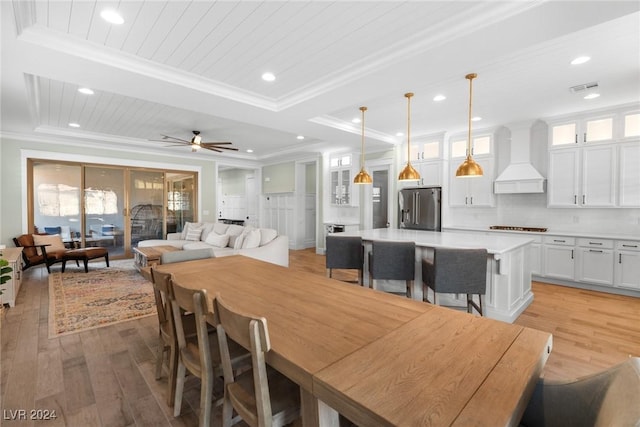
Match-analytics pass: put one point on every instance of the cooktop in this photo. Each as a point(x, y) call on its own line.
point(516, 228)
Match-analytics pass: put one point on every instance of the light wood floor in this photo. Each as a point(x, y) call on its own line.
point(105, 377)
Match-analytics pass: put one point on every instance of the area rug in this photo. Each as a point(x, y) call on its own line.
point(80, 301)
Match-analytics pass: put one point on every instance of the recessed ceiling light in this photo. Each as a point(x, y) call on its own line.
point(74, 125)
point(268, 77)
point(112, 16)
point(476, 119)
point(249, 150)
point(439, 98)
point(356, 120)
point(85, 90)
point(580, 60)
point(592, 96)
point(300, 137)
point(399, 134)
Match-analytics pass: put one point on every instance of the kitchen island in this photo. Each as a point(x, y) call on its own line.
point(508, 266)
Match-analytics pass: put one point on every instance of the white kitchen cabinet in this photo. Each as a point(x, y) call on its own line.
point(629, 185)
point(595, 261)
point(474, 191)
point(421, 151)
point(578, 131)
point(10, 288)
point(559, 257)
point(582, 177)
point(627, 264)
point(430, 172)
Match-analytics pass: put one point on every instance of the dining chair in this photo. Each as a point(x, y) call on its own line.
point(390, 260)
point(456, 271)
point(607, 398)
point(168, 341)
point(344, 252)
point(261, 396)
point(199, 356)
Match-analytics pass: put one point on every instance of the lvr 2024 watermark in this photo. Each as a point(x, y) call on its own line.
point(29, 414)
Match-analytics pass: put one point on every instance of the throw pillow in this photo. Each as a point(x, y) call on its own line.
point(193, 233)
point(183, 235)
point(235, 242)
point(234, 230)
point(220, 227)
point(207, 227)
point(267, 235)
point(53, 240)
point(217, 240)
point(251, 239)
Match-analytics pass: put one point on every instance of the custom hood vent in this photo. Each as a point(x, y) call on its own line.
point(520, 176)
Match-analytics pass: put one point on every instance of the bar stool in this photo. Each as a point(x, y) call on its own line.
point(345, 252)
point(392, 261)
point(456, 271)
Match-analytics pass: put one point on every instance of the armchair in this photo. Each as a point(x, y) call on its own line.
point(36, 254)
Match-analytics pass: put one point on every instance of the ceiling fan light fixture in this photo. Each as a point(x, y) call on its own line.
point(469, 168)
point(363, 176)
point(409, 173)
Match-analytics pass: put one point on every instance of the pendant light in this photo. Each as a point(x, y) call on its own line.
point(362, 177)
point(469, 168)
point(408, 173)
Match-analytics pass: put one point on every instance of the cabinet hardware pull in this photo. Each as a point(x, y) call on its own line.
point(595, 243)
point(583, 199)
point(465, 200)
point(559, 241)
point(584, 138)
point(571, 253)
point(576, 138)
point(619, 258)
point(575, 199)
point(629, 246)
point(596, 251)
point(471, 200)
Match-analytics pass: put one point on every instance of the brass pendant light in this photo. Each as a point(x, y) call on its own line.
point(469, 168)
point(409, 173)
point(362, 177)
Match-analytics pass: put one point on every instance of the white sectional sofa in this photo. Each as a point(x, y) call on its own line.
point(229, 239)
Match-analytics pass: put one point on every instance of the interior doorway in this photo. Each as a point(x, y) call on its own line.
point(380, 199)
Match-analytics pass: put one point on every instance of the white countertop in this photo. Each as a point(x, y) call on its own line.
point(497, 244)
point(555, 232)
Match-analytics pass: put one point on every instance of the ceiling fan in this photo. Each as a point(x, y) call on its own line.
point(196, 143)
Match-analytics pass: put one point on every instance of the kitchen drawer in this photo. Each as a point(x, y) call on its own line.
point(628, 245)
point(560, 240)
point(595, 243)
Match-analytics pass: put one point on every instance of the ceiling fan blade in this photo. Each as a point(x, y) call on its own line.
point(212, 149)
point(216, 143)
point(165, 137)
point(220, 147)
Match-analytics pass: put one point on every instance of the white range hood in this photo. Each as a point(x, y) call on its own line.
point(520, 176)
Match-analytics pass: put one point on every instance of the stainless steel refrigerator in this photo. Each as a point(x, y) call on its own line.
point(420, 208)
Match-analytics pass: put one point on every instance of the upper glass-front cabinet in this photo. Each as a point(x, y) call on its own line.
point(481, 146)
point(595, 129)
point(631, 125)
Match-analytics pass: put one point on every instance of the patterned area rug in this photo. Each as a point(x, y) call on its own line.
point(79, 301)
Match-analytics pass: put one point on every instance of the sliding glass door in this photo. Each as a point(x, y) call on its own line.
point(104, 207)
point(109, 206)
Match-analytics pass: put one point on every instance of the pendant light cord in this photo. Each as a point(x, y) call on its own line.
point(470, 77)
point(408, 96)
point(363, 109)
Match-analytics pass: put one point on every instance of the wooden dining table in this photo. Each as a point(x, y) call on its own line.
point(377, 358)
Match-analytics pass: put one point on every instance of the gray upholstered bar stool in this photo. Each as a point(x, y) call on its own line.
point(392, 261)
point(456, 271)
point(345, 252)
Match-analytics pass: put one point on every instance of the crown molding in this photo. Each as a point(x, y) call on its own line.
point(345, 126)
